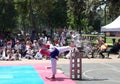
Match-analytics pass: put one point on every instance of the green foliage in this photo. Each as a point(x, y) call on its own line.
point(114, 8)
point(22, 7)
point(58, 15)
point(8, 15)
point(82, 15)
point(75, 13)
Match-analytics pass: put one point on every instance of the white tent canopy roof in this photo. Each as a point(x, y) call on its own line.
point(113, 26)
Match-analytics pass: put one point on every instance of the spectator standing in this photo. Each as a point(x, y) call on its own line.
point(23, 49)
point(49, 40)
point(63, 39)
point(35, 46)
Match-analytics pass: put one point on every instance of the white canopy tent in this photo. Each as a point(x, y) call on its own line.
point(113, 26)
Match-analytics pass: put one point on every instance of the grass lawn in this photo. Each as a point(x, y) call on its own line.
point(108, 40)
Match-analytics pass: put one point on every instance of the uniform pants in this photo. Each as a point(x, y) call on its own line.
point(53, 65)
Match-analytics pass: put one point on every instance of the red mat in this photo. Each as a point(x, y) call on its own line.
point(44, 72)
point(60, 77)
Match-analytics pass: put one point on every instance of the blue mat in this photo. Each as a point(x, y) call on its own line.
point(19, 75)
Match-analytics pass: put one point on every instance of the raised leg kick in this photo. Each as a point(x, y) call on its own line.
point(54, 52)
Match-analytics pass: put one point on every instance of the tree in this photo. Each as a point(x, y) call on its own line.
point(58, 15)
point(75, 13)
point(8, 15)
point(95, 14)
point(114, 9)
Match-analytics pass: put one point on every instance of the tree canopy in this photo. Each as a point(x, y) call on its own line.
point(82, 15)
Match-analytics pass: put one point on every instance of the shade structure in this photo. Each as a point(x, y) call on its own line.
point(113, 26)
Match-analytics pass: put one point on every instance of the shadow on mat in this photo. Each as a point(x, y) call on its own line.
point(93, 79)
point(58, 79)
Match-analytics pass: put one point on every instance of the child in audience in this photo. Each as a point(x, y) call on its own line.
point(29, 53)
point(17, 55)
point(38, 55)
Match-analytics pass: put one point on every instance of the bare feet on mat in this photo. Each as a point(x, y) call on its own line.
point(50, 78)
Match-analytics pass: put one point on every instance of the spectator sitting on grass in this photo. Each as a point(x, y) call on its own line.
point(115, 49)
point(103, 48)
point(38, 56)
point(17, 55)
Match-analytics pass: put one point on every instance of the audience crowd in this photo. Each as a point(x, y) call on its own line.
point(16, 47)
